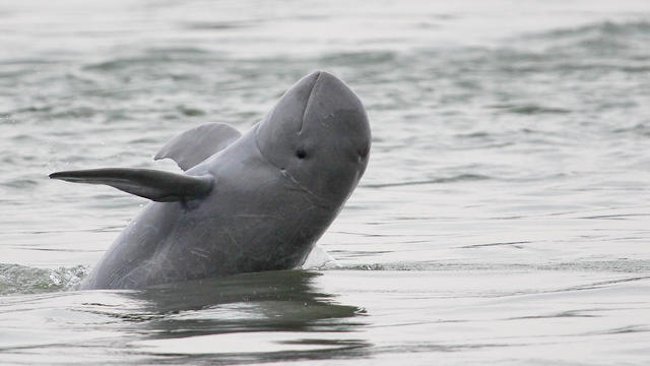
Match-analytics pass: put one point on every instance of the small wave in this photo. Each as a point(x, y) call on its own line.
point(190, 111)
point(607, 28)
point(216, 26)
point(150, 57)
point(620, 266)
point(360, 57)
point(603, 38)
point(319, 259)
point(20, 183)
point(530, 109)
point(452, 179)
point(435, 267)
point(18, 279)
point(640, 129)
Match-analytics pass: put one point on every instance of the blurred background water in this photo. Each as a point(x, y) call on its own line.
point(503, 217)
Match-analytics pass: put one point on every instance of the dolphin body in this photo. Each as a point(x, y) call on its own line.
point(245, 203)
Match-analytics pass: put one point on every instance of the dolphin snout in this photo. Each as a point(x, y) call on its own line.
point(330, 102)
point(324, 84)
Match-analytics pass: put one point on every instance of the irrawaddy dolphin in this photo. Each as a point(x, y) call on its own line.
point(245, 203)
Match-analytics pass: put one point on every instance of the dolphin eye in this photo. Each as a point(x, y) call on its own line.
point(301, 153)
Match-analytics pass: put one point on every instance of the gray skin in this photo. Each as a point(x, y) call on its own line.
point(247, 203)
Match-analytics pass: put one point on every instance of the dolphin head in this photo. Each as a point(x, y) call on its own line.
point(318, 136)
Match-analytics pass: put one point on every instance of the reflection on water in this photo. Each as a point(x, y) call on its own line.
point(280, 315)
point(277, 300)
point(262, 316)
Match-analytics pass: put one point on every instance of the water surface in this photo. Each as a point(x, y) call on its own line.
point(502, 219)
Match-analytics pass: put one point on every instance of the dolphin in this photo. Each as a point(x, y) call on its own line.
point(244, 203)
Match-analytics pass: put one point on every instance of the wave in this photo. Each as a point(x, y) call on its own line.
point(452, 179)
point(530, 109)
point(619, 40)
point(601, 29)
point(19, 279)
point(620, 266)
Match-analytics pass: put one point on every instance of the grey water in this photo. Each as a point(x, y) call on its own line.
point(503, 218)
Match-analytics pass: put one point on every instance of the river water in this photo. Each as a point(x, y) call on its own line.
point(503, 218)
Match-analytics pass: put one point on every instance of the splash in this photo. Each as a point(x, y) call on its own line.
point(18, 279)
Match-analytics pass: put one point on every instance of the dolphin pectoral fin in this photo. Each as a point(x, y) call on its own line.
point(193, 146)
point(152, 184)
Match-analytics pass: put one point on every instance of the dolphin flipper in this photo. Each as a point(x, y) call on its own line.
point(193, 146)
point(152, 184)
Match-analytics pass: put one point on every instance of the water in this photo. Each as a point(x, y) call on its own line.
point(502, 219)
